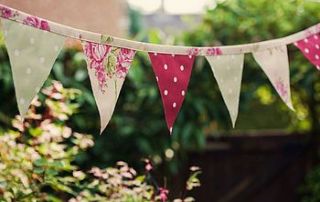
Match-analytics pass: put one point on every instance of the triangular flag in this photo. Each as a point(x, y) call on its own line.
point(172, 74)
point(310, 47)
point(32, 53)
point(275, 64)
point(107, 67)
point(227, 69)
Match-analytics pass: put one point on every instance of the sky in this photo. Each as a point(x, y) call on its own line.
point(172, 6)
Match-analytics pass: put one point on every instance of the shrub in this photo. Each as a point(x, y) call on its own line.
point(37, 159)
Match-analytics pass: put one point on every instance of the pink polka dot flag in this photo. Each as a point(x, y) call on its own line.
point(172, 74)
point(310, 47)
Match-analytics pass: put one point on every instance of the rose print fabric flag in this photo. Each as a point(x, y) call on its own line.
point(310, 47)
point(172, 74)
point(107, 67)
point(275, 64)
point(227, 69)
point(32, 52)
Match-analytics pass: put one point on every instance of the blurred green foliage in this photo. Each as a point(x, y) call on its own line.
point(244, 21)
point(37, 154)
point(311, 188)
point(138, 129)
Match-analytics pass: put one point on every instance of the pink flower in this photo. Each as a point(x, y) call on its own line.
point(32, 21)
point(44, 25)
point(36, 22)
point(96, 54)
point(121, 72)
point(194, 51)
point(124, 60)
point(163, 194)
point(6, 12)
point(148, 165)
point(101, 76)
point(281, 88)
point(214, 51)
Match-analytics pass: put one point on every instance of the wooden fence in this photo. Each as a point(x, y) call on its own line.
point(264, 168)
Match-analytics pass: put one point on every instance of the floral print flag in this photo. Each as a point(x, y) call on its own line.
point(107, 67)
point(227, 69)
point(32, 51)
point(310, 47)
point(172, 74)
point(275, 64)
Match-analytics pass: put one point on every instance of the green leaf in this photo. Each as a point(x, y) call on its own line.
point(40, 162)
point(51, 172)
point(38, 170)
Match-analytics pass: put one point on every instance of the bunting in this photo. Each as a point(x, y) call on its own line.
point(34, 43)
point(172, 74)
point(32, 53)
point(227, 69)
point(274, 62)
point(108, 67)
point(310, 47)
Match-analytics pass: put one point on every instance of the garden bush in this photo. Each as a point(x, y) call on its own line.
point(38, 160)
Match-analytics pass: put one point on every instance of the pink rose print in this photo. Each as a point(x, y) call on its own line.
point(36, 22)
point(32, 21)
point(282, 89)
point(194, 51)
point(96, 54)
point(44, 25)
point(108, 62)
point(124, 60)
point(6, 12)
point(214, 51)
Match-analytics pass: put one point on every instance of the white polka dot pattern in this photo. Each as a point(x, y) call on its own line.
point(172, 73)
point(310, 47)
point(32, 53)
point(175, 79)
point(227, 69)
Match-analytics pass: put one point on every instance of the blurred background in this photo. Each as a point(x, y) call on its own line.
point(271, 155)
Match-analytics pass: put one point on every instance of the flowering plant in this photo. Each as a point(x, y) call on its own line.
point(37, 159)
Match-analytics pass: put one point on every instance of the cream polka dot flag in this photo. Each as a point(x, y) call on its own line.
point(227, 69)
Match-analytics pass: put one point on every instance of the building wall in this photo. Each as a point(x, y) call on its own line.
point(103, 16)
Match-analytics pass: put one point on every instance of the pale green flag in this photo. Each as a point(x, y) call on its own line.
point(227, 69)
point(275, 64)
point(32, 53)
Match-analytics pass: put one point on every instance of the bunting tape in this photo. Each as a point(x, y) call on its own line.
point(19, 16)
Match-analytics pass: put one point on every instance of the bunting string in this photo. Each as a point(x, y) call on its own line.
point(19, 16)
